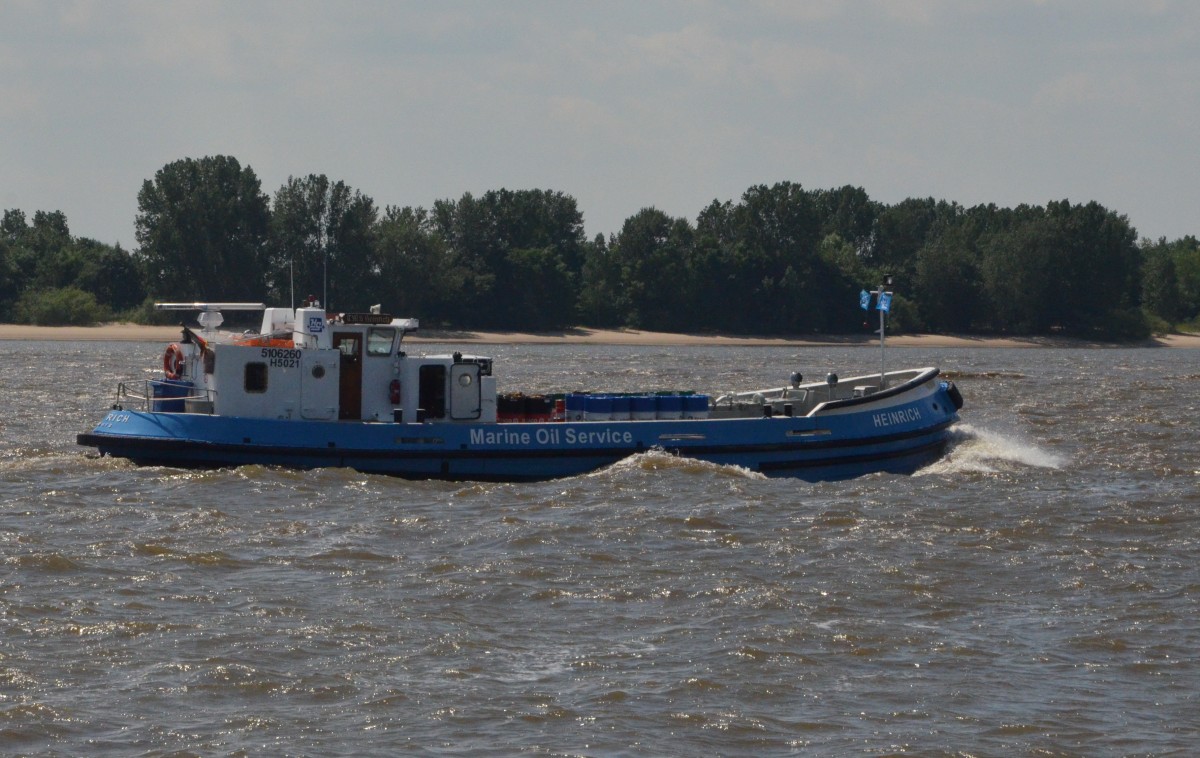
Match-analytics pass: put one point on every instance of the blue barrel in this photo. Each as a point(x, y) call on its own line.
point(695, 406)
point(574, 404)
point(598, 407)
point(620, 407)
point(642, 407)
point(169, 388)
point(670, 406)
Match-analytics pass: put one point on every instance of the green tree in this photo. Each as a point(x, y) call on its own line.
point(67, 306)
point(849, 213)
point(49, 233)
point(545, 295)
point(651, 253)
point(201, 230)
point(109, 273)
point(1186, 254)
point(476, 252)
point(1065, 268)
point(416, 277)
point(322, 243)
point(1097, 268)
point(35, 251)
point(9, 280)
point(1161, 295)
point(602, 299)
point(44, 257)
point(841, 256)
point(947, 285)
point(12, 230)
point(1018, 278)
point(901, 230)
point(771, 264)
point(484, 234)
point(1171, 279)
point(13, 226)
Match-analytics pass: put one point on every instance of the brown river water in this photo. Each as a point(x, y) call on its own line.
point(1037, 592)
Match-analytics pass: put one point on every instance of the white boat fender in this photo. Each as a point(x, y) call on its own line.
point(173, 361)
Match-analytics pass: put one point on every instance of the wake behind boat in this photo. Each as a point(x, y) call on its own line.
point(314, 389)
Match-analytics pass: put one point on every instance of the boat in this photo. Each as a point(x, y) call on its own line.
point(313, 389)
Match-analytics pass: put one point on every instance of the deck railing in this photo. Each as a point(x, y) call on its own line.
point(141, 392)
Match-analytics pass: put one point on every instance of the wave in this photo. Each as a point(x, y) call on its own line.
point(978, 450)
point(661, 460)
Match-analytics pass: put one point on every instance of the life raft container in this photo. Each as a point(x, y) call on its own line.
point(174, 361)
point(266, 341)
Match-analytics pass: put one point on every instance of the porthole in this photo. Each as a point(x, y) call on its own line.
point(318, 371)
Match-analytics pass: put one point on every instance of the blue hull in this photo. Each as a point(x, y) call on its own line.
point(897, 438)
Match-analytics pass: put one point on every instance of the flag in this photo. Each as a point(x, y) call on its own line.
point(864, 300)
point(885, 302)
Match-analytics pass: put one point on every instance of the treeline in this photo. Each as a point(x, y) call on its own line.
point(780, 260)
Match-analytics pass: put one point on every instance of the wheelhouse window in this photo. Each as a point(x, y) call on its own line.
point(255, 377)
point(379, 341)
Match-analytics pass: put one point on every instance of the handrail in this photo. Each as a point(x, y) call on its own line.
point(128, 390)
point(899, 389)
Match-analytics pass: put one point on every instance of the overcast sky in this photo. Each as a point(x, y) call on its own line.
point(622, 105)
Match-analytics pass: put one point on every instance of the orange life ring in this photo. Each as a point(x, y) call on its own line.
point(173, 361)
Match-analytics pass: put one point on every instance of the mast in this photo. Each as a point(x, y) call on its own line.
point(883, 304)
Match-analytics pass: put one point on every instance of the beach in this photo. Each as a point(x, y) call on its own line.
point(586, 336)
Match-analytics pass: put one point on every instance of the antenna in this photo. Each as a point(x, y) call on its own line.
point(323, 240)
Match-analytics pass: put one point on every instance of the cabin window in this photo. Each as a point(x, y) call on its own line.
point(379, 341)
point(256, 377)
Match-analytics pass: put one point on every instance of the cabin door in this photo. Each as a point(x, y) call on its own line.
point(349, 344)
point(465, 396)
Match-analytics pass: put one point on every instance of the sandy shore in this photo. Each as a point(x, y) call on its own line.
point(582, 336)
